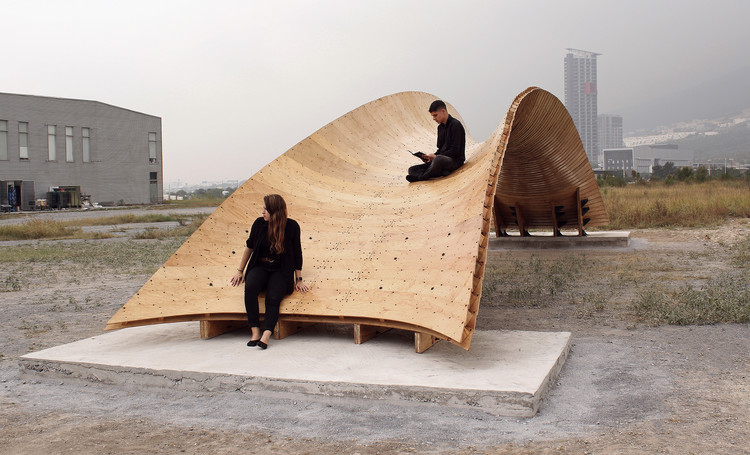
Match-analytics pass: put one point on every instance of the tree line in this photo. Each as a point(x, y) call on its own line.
point(669, 174)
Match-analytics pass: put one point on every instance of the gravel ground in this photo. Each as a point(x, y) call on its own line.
point(626, 387)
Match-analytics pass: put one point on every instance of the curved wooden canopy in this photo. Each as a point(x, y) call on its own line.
point(377, 249)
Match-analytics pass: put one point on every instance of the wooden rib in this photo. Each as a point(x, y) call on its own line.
point(378, 250)
point(364, 332)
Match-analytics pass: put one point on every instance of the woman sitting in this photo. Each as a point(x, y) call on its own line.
point(273, 258)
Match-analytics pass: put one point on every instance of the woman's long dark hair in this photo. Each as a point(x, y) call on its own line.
point(276, 208)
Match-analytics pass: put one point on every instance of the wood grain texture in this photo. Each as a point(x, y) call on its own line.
point(378, 250)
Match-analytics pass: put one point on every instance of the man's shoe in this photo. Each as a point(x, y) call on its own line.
point(412, 178)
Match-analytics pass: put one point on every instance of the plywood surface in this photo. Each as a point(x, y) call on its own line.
point(378, 250)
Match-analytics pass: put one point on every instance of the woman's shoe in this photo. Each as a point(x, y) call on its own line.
point(262, 345)
point(252, 343)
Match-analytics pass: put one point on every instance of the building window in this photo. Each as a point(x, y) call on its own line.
point(152, 147)
point(51, 145)
point(69, 144)
point(3, 139)
point(86, 144)
point(23, 140)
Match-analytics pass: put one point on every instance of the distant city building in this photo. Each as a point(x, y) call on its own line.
point(113, 154)
point(610, 131)
point(635, 141)
point(581, 99)
point(648, 156)
point(618, 161)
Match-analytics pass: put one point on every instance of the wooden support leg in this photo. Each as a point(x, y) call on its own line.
point(555, 228)
point(210, 329)
point(363, 332)
point(521, 220)
point(423, 342)
point(285, 328)
point(499, 222)
point(580, 214)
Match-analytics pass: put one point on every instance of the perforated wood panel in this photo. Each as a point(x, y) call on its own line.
point(377, 249)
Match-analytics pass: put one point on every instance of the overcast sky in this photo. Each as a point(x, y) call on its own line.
point(237, 83)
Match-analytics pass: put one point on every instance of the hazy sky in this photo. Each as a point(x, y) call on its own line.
point(237, 83)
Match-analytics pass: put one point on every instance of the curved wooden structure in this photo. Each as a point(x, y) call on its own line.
point(379, 251)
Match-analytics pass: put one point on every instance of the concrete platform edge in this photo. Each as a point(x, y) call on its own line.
point(551, 378)
point(510, 404)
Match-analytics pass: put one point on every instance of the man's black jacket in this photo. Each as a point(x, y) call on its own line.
point(451, 140)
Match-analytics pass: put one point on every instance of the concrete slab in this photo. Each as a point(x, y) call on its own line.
point(596, 239)
point(505, 372)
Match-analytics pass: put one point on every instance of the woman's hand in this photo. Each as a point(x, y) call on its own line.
point(238, 278)
point(301, 287)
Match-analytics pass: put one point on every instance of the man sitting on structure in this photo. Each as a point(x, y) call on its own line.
point(451, 143)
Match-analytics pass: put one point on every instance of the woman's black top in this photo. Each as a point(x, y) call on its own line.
point(290, 259)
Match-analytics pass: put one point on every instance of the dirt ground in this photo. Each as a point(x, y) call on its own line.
point(627, 387)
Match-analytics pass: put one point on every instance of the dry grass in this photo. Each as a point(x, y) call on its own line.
point(120, 256)
point(722, 299)
point(128, 219)
point(39, 229)
point(47, 229)
point(536, 282)
point(195, 202)
point(184, 230)
point(677, 205)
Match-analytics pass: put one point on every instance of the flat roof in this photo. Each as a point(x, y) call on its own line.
point(79, 100)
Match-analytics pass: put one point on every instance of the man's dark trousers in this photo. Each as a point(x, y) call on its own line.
point(439, 167)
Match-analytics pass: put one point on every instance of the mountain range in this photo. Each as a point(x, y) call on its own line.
point(727, 95)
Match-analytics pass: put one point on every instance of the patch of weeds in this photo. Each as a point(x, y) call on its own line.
point(38, 229)
point(694, 255)
point(120, 257)
point(537, 282)
point(62, 326)
point(49, 229)
point(129, 219)
point(590, 304)
point(741, 254)
point(597, 300)
point(33, 329)
point(723, 299)
point(490, 282)
point(195, 202)
point(76, 306)
point(150, 233)
point(96, 235)
point(97, 302)
point(11, 284)
point(185, 229)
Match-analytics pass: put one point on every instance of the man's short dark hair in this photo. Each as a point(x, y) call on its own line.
point(437, 105)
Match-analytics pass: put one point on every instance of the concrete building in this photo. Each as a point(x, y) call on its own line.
point(610, 131)
point(113, 154)
point(581, 99)
point(618, 161)
point(648, 156)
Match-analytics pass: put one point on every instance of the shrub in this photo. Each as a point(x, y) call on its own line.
point(685, 174)
point(701, 175)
